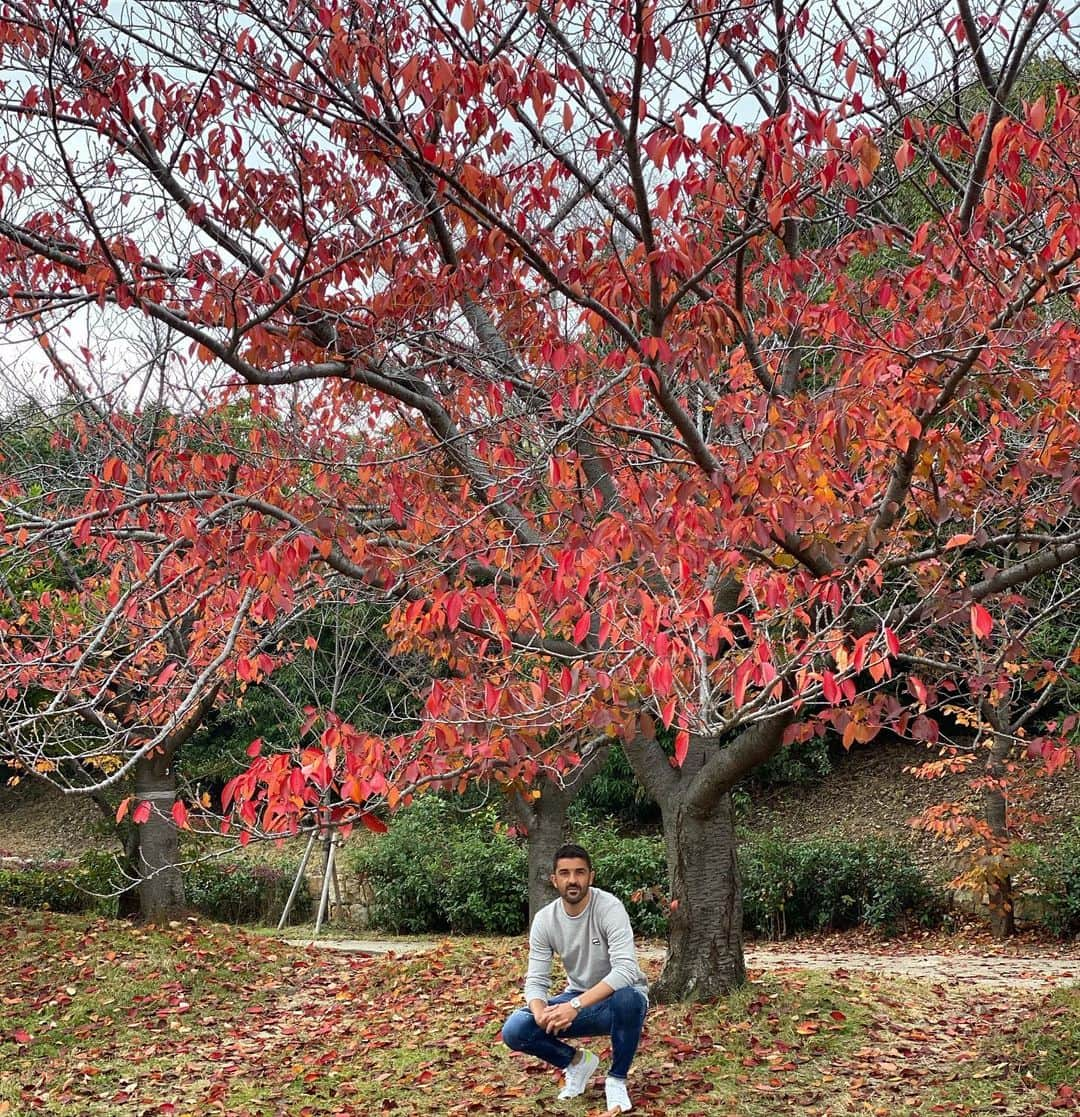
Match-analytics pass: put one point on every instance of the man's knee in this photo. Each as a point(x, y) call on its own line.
point(629, 1006)
point(516, 1030)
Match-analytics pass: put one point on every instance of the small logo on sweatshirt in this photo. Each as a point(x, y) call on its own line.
point(596, 942)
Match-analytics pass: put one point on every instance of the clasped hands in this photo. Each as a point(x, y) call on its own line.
point(555, 1018)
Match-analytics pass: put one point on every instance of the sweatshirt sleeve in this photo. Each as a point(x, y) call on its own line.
point(538, 974)
point(615, 924)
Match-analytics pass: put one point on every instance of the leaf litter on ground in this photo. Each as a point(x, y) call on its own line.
point(99, 1017)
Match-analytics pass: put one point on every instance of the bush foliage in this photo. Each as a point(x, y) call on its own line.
point(831, 884)
point(441, 869)
point(227, 889)
point(1055, 875)
point(438, 869)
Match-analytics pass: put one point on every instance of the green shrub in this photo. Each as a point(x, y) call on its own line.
point(40, 888)
point(438, 869)
point(614, 793)
point(767, 869)
point(89, 884)
point(486, 888)
point(1055, 874)
point(831, 884)
point(100, 877)
point(230, 890)
point(635, 870)
point(407, 867)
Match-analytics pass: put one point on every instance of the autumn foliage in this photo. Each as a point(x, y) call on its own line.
point(702, 378)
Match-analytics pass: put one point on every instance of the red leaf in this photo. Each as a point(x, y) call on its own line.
point(660, 677)
point(738, 684)
point(374, 823)
point(491, 696)
point(453, 610)
point(122, 810)
point(829, 688)
point(918, 689)
point(255, 747)
point(167, 673)
point(982, 624)
point(667, 711)
point(581, 629)
point(682, 745)
point(180, 814)
point(142, 813)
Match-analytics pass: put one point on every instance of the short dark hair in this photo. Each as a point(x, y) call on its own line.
point(571, 852)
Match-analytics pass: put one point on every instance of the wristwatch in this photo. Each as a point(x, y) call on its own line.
point(575, 1004)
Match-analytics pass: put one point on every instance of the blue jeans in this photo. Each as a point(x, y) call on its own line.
point(620, 1016)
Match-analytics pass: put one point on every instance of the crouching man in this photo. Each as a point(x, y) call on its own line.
point(607, 995)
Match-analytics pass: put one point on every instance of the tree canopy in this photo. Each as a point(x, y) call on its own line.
point(608, 349)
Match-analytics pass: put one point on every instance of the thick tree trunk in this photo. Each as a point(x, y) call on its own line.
point(705, 955)
point(705, 952)
point(156, 864)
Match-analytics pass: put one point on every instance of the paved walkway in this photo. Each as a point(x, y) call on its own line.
point(1000, 971)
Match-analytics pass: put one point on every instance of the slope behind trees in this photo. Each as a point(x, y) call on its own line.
point(657, 411)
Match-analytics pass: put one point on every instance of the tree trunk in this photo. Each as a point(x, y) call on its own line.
point(705, 955)
point(705, 952)
point(999, 887)
point(545, 820)
point(156, 864)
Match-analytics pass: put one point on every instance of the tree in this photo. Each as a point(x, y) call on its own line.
point(617, 369)
point(119, 637)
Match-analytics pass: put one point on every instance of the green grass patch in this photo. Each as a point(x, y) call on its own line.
point(1048, 1047)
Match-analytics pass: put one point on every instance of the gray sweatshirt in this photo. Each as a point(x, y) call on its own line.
point(597, 945)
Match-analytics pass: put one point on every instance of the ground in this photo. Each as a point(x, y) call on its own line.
point(37, 822)
point(100, 1018)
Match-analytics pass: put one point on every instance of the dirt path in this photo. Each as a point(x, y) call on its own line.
point(1000, 971)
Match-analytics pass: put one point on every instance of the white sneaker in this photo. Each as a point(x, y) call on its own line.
point(577, 1076)
point(616, 1095)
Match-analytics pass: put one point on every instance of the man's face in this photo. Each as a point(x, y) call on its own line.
point(571, 879)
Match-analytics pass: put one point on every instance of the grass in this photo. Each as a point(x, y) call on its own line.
point(98, 1018)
